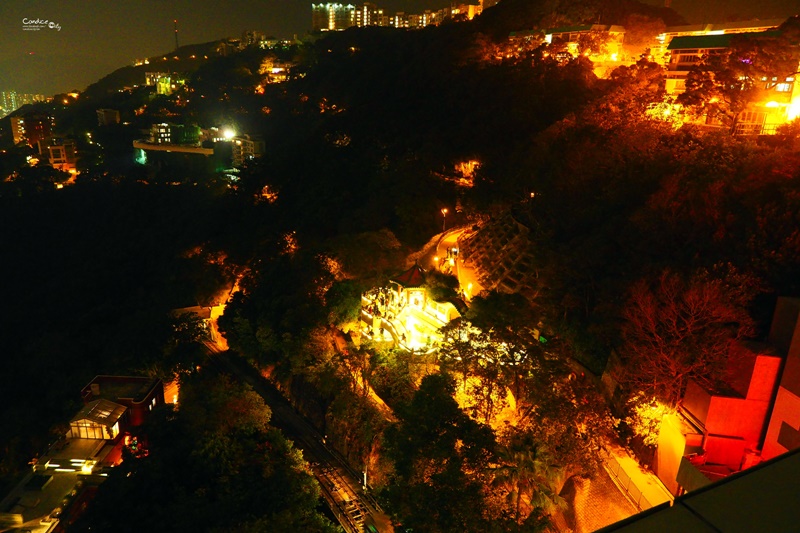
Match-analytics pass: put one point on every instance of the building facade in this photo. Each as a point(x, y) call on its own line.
point(332, 17)
point(107, 117)
point(246, 148)
point(12, 100)
point(60, 152)
point(783, 432)
point(778, 97)
point(32, 128)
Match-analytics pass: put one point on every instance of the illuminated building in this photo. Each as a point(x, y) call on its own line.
point(12, 100)
point(66, 476)
point(779, 100)
point(31, 128)
point(717, 433)
point(763, 498)
point(420, 21)
point(598, 42)
point(161, 133)
point(164, 133)
point(246, 148)
point(757, 418)
point(253, 38)
point(661, 41)
point(369, 14)
point(399, 20)
point(783, 433)
point(328, 17)
point(164, 83)
point(405, 312)
point(139, 395)
point(60, 152)
point(469, 11)
point(151, 78)
point(332, 17)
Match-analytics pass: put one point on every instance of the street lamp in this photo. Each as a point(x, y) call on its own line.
point(444, 218)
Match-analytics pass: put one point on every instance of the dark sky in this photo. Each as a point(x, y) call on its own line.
point(99, 36)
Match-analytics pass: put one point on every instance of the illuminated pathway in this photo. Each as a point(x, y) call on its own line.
point(467, 277)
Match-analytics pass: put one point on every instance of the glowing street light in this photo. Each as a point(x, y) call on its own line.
point(444, 218)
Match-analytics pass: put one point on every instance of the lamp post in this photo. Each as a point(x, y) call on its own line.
point(444, 218)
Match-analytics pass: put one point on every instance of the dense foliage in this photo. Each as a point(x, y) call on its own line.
point(635, 223)
point(213, 465)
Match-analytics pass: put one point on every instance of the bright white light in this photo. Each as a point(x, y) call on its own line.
point(794, 109)
point(228, 134)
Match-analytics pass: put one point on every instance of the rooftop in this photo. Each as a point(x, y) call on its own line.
point(762, 498)
point(714, 41)
point(115, 388)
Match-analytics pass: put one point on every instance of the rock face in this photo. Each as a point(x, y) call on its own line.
point(501, 252)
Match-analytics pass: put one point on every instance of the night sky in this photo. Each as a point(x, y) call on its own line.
point(99, 36)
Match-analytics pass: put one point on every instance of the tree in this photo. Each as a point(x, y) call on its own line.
point(565, 413)
point(462, 347)
point(679, 329)
point(640, 33)
point(441, 287)
point(723, 84)
point(527, 472)
point(343, 301)
point(439, 455)
point(366, 254)
point(510, 324)
point(184, 350)
point(214, 465)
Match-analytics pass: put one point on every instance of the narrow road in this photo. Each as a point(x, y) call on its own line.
point(354, 507)
point(467, 277)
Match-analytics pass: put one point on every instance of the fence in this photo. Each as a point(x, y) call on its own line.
point(625, 483)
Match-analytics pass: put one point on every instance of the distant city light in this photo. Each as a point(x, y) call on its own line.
point(228, 134)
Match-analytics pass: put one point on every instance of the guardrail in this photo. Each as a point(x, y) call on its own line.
point(624, 482)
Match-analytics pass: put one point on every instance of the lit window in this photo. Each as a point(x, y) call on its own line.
point(784, 87)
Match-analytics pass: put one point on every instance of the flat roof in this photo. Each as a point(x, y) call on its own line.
point(715, 41)
point(700, 41)
point(761, 498)
point(115, 388)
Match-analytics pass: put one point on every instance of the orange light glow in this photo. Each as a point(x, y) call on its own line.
point(794, 109)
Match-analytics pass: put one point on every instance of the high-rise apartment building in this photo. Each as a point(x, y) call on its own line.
point(31, 128)
point(332, 17)
point(11, 100)
point(328, 17)
point(369, 14)
point(245, 148)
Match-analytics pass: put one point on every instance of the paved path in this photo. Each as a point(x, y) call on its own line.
point(641, 486)
point(598, 503)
